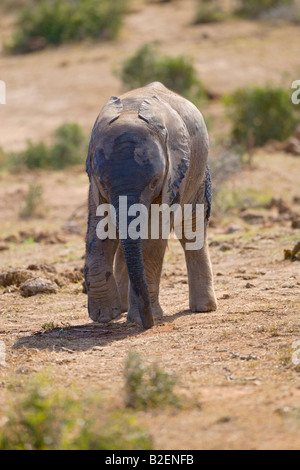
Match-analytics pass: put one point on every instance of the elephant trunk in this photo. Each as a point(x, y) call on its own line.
point(134, 259)
point(133, 252)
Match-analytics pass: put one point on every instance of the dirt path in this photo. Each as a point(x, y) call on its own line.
point(234, 365)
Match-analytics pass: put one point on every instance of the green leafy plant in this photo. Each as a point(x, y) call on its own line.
point(259, 114)
point(69, 148)
point(255, 8)
point(41, 416)
point(147, 64)
point(57, 21)
point(209, 11)
point(147, 386)
point(33, 202)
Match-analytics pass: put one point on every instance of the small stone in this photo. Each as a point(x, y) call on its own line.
point(38, 285)
point(292, 146)
point(249, 285)
point(4, 246)
point(72, 227)
point(225, 247)
point(233, 229)
point(253, 217)
point(225, 296)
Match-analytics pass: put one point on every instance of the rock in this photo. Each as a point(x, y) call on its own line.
point(225, 297)
point(12, 239)
point(249, 285)
point(14, 277)
point(296, 223)
point(225, 247)
point(72, 227)
point(279, 204)
point(38, 285)
point(214, 243)
point(253, 217)
point(233, 229)
point(3, 246)
point(292, 146)
point(42, 267)
point(294, 254)
point(40, 236)
point(74, 276)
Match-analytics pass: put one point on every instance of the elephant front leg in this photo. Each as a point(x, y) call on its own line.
point(201, 286)
point(103, 298)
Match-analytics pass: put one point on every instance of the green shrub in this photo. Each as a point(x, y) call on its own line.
point(259, 114)
point(58, 21)
point(33, 201)
point(177, 73)
point(41, 416)
point(69, 146)
point(35, 156)
point(209, 11)
point(255, 8)
point(147, 386)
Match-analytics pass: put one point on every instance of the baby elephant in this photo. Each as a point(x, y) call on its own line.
point(148, 147)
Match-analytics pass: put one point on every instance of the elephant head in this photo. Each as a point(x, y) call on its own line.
point(140, 150)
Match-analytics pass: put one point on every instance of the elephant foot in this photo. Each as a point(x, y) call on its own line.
point(103, 314)
point(157, 312)
point(133, 316)
point(204, 305)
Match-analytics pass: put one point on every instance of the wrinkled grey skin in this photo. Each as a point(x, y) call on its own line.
point(149, 145)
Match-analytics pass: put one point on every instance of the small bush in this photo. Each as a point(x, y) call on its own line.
point(149, 65)
point(58, 21)
point(33, 202)
point(35, 156)
point(255, 8)
point(209, 11)
point(69, 148)
point(147, 386)
point(44, 417)
point(259, 114)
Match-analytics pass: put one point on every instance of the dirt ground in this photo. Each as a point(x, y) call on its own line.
point(234, 366)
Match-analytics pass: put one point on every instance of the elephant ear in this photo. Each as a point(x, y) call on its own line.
point(110, 112)
point(170, 126)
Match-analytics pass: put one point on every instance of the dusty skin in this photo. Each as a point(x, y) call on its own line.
point(240, 387)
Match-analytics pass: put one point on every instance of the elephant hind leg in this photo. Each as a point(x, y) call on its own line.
point(200, 276)
point(122, 278)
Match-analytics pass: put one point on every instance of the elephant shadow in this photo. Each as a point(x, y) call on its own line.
point(85, 337)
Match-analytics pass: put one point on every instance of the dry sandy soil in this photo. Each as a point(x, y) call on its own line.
point(234, 366)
